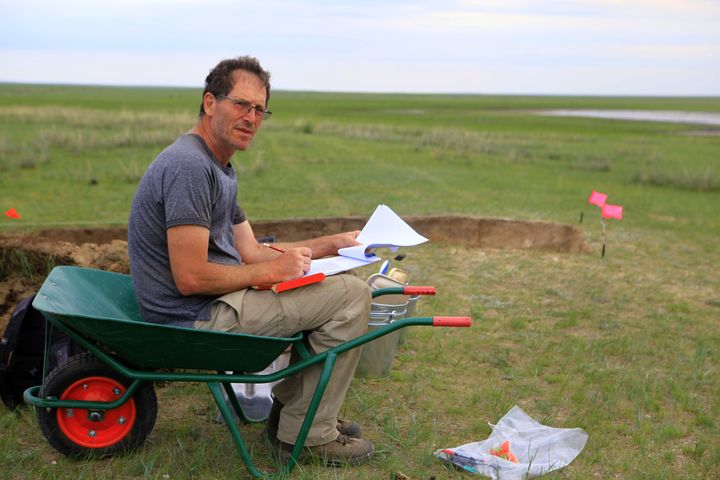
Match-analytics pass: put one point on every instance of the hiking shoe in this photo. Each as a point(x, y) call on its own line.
point(345, 427)
point(349, 428)
point(340, 452)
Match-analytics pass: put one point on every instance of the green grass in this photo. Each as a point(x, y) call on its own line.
point(626, 347)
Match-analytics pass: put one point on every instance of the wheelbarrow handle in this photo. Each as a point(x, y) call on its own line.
point(418, 290)
point(452, 322)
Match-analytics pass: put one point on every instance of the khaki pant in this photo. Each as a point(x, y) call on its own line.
point(334, 311)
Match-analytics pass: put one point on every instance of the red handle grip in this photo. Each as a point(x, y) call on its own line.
point(410, 290)
point(452, 322)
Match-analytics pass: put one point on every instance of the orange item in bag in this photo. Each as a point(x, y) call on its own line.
point(504, 452)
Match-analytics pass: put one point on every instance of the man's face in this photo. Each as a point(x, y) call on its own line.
point(233, 126)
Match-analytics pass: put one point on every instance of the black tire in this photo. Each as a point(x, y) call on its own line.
point(82, 433)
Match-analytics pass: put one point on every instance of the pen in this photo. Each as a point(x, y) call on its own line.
point(273, 247)
point(384, 267)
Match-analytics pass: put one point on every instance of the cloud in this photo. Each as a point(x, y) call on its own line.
point(455, 45)
point(91, 68)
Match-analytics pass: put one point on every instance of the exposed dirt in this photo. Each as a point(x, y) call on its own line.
point(25, 258)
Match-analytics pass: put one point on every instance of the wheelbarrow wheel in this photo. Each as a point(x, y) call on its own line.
point(79, 432)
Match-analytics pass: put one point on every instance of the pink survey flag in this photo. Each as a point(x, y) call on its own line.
point(597, 198)
point(612, 211)
point(12, 213)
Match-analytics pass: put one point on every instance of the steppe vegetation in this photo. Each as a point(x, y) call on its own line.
point(626, 346)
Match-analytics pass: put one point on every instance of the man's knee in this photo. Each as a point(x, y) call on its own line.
point(358, 292)
point(358, 307)
point(357, 287)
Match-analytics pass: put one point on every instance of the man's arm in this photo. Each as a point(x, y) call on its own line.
point(253, 252)
point(194, 274)
point(327, 245)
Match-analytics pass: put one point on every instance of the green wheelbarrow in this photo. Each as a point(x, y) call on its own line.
point(102, 402)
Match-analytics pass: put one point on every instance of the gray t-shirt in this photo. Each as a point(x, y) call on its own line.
point(185, 185)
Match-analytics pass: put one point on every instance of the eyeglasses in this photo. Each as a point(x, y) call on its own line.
point(246, 106)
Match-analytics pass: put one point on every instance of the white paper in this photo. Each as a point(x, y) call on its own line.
point(333, 265)
point(384, 229)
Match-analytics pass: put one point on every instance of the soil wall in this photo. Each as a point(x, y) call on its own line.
point(25, 258)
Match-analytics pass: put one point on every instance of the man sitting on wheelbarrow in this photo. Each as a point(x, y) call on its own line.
point(194, 257)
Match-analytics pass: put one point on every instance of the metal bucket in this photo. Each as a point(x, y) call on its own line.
point(377, 356)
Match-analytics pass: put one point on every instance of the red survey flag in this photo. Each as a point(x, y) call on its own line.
point(12, 213)
point(612, 211)
point(597, 198)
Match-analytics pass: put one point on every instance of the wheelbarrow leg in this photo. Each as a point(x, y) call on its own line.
point(234, 402)
point(312, 409)
point(216, 390)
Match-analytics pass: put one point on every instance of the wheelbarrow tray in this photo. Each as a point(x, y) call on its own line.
point(102, 306)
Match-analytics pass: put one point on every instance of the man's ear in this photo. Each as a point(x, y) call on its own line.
point(209, 102)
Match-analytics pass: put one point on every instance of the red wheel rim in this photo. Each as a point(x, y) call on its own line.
point(94, 428)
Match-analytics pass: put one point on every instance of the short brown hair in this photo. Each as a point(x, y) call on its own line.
point(220, 79)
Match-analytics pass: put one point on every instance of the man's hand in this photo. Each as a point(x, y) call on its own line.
point(292, 264)
point(330, 244)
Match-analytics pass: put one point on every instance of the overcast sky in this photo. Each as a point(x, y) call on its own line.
point(597, 47)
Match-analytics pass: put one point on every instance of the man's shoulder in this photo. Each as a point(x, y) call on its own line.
point(186, 146)
point(186, 153)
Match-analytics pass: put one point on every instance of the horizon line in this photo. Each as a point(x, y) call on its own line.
point(359, 92)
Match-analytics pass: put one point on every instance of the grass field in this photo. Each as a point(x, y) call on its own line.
point(626, 347)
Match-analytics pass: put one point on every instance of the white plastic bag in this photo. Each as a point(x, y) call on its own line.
point(255, 399)
point(539, 449)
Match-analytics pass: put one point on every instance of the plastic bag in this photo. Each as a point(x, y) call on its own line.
point(539, 449)
point(255, 399)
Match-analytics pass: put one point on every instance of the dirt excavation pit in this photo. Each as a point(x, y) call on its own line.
point(25, 258)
